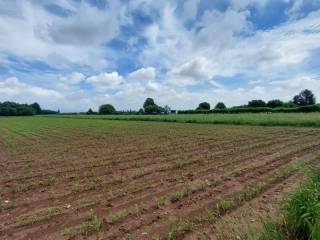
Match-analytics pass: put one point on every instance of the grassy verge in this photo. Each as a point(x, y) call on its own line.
point(301, 214)
point(259, 119)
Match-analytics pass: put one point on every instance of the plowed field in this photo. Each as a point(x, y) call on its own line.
point(93, 179)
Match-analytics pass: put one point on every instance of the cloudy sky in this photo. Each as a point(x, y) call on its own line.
point(72, 55)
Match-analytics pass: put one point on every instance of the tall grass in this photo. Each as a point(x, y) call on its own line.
point(301, 214)
point(260, 119)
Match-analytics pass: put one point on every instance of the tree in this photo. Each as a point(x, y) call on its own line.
point(107, 109)
point(90, 112)
point(305, 97)
point(256, 103)
point(36, 107)
point(141, 111)
point(15, 109)
point(275, 103)
point(148, 102)
point(153, 109)
point(220, 105)
point(150, 107)
point(204, 106)
point(167, 109)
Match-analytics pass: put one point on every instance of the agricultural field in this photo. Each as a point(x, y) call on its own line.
point(255, 119)
point(73, 178)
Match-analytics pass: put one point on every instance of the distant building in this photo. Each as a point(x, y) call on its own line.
point(173, 111)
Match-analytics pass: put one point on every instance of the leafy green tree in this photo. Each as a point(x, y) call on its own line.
point(148, 102)
point(15, 109)
point(153, 109)
point(204, 106)
point(305, 97)
point(36, 107)
point(25, 111)
point(90, 112)
point(150, 107)
point(220, 105)
point(275, 103)
point(256, 103)
point(107, 109)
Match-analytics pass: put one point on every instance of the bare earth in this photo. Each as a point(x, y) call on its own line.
point(93, 179)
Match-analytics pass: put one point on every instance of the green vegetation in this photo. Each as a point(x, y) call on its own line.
point(260, 119)
point(204, 106)
point(16, 109)
point(305, 97)
point(220, 105)
point(301, 214)
point(150, 107)
point(160, 201)
point(92, 224)
point(181, 193)
point(116, 216)
point(107, 109)
point(305, 101)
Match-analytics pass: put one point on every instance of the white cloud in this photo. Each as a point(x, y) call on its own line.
point(191, 72)
point(145, 74)
point(298, 84)
point(13, 87)
point(88, 25)
point(228, 42)
point(106, 81)
point(72, 79)
point(28, 30)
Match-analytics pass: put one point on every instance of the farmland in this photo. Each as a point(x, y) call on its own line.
point(255, 119)
point(74, 178)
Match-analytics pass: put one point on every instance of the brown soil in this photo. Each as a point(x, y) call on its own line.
point(138, 167)
point(247, 220)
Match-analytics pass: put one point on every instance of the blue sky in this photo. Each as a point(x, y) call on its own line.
point(72, 55)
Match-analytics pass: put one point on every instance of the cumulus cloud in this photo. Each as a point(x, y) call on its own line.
point(191, 72)
point(13, 87)
point(145, 74)
point(87, 25)
point(88, 50)
point(73, 78)
point(29, 30)
point(106, 81)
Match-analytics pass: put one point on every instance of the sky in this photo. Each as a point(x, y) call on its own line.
point(74, 55)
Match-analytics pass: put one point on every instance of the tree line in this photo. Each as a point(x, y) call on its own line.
point(17, 109)
point(149, 107)
point(305, 101)
point(304, 98)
